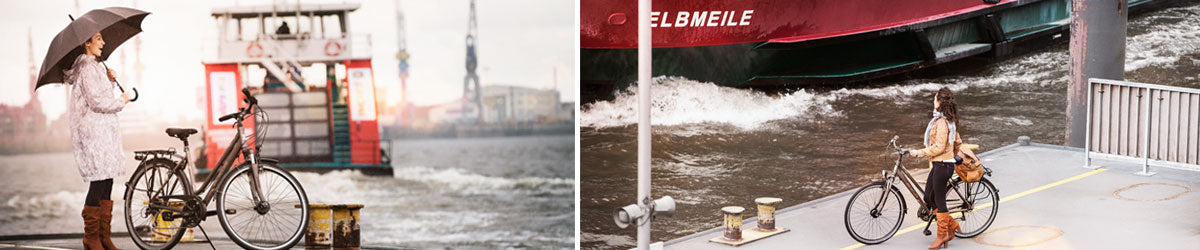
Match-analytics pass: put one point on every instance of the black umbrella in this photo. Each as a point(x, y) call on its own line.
point(115, 24)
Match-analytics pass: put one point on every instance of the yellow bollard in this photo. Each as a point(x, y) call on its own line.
point(317, 235)
point(163, 229)
point(766, 213)
point(333, 226)
point(733, 222)
point(346, 231)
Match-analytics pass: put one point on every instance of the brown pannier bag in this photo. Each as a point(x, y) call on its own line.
point(971, 169)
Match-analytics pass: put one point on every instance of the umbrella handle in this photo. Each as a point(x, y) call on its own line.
point(135, 95)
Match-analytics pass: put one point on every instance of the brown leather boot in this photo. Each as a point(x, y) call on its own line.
point(91, 228)
point(953, 227)
point(106, 225)
point(943, 231)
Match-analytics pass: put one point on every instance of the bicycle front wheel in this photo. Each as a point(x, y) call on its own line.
point(977, 210)
point(874, 214)
point(276, 223)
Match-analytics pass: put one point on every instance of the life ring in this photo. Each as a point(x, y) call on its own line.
point(333, 48)
point(255, 50)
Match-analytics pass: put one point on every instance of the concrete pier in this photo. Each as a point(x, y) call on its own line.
point(1048, 201)
point(122, 240)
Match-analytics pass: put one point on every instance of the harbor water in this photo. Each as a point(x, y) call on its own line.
point(718, 146)
point(474, 193)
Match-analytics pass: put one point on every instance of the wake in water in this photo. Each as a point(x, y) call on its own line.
point(425, 207)
point(679, 101)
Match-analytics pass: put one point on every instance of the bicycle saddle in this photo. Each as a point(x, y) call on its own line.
point(181, 133)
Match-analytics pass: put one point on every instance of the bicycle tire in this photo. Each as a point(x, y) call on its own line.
point(137, 231)
point(853, 211)
point(265, 169)
point(971, 223)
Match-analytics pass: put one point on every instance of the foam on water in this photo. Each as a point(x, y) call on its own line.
point(41, 206)
point(428, 207)
point(679, 100)
point(459, 180)
point(1172, 33)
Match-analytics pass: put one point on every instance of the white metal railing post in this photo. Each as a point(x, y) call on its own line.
point(1087, 141)
point(1146, 130)
point(644, 83)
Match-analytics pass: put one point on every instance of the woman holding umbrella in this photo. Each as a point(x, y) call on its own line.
point(96, 137)
point(76, 58)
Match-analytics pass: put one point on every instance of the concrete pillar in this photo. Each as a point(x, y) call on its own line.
point(1097, 51)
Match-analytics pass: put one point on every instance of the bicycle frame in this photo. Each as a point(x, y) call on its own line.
point(223, 168)
point(910, 183)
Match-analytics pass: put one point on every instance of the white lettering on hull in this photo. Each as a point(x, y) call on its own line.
point(714, 18)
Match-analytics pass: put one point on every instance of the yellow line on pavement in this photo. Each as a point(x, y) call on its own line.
point(30, 247)
point(1002, 200)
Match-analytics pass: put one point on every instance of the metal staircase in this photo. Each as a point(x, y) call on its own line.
point(341, 133)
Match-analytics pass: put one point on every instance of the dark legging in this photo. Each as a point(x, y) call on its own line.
point(935, 185)
point(99, 191)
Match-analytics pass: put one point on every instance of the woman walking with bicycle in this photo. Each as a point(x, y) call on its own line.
point(96, 139)
point(941, 144)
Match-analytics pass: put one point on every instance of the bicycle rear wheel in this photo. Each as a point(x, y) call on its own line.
point(984, 201)
point(277, 224)
point(153, 227)
point(869, 223)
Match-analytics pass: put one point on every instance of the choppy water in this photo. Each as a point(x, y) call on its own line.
point(487, 193)
point(716, 146)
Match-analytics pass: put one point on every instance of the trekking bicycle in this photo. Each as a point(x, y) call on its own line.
point(259, 205)
point(876, 211)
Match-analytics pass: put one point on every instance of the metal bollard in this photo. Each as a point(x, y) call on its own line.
point(332, 226)
point(766, 213)
point(318, 234)
point(164, 229)
point(733, 222)
point(345, 230)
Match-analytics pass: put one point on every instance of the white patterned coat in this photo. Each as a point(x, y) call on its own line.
point(95, 131)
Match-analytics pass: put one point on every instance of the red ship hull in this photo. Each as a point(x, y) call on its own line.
point(613, 24)
point(803, 42)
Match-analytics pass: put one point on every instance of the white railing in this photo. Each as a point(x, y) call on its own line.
point(305, 49)
point(1143, 123)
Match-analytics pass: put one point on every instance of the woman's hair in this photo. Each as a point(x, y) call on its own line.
point(948, 106)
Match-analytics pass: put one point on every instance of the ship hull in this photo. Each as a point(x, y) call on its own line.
point(786, 43)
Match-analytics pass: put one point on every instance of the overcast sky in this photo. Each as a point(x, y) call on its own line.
point(521, 42)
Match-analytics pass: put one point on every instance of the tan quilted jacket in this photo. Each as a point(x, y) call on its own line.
point(938, 150)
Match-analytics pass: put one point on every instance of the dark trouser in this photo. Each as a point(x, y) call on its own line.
point(936, 184)
point(99, 191)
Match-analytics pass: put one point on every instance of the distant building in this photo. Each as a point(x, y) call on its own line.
point(511, 104)
point(22, 120)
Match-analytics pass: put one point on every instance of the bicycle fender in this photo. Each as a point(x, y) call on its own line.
point(268, 160)
point(168, 161)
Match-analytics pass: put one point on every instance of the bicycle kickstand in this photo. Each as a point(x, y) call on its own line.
point(927, 232)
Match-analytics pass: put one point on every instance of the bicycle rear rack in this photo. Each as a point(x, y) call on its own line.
point(158, 153)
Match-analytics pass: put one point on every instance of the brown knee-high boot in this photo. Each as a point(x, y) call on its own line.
point(951, 228)
point(106, 225)
point(945, 231)
point(91, 228)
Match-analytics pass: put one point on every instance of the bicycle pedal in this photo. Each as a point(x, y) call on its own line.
point(230, 211)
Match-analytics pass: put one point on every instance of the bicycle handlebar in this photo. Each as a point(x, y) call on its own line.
point(894, 145)
point(250, 103)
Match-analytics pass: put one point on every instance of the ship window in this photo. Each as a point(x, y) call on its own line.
point(250, 29)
